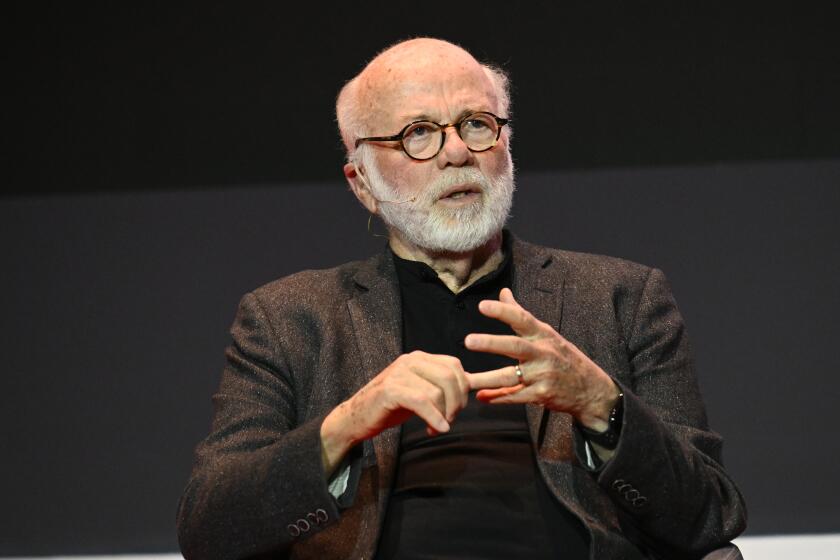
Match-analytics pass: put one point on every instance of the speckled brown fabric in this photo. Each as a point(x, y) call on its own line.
point(304, 343)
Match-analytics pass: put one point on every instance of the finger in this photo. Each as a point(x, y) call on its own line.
point(426, 401)
point(506, 296)
point(493, 395)
point(502, 377)
point(505, 345)
point(445, 371)
point(519, 319)
point(444, 380)
point(520, 394)
point(458, 375)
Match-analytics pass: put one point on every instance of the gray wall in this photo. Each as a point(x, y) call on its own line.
point(116, 308)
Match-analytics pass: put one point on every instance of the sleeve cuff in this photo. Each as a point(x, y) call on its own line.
point(338, 483)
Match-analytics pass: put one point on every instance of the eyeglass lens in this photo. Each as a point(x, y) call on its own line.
point(423, 140)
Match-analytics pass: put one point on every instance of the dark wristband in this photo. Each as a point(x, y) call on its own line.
point(609, 438)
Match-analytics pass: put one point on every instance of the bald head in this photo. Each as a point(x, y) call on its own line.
point(401, 73)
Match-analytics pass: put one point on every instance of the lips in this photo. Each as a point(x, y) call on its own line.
point(459, 191)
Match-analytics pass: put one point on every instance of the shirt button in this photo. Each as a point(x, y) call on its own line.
point(460, 306)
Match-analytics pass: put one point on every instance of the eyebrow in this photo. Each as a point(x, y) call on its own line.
point(410, 118)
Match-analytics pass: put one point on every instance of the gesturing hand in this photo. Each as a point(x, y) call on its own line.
point(432, 386)
point(554, 372)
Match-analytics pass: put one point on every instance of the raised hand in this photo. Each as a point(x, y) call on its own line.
point(551, 371)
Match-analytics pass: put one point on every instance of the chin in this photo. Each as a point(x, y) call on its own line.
point(437, 236)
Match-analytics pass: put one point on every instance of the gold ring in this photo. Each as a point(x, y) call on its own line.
point(519, 374)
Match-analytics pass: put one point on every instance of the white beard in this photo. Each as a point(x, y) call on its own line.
point(433, 227)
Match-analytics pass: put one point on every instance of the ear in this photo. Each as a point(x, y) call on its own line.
point(359, 186)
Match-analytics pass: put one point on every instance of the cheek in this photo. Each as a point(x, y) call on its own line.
point(497, 161)
point(404, 175)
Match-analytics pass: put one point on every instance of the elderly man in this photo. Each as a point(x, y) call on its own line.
point(463, 394)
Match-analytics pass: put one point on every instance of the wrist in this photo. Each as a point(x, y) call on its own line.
point(596, 416)
point(604, 433)
point(335, 441)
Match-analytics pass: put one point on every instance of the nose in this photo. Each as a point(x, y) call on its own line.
point(455, 151)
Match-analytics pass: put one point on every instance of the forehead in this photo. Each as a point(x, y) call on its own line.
point(436, 89)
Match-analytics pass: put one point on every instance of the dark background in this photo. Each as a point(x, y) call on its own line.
point(109, 96)
point(161, 160)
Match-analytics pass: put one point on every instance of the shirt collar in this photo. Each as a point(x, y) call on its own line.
point(415, 272)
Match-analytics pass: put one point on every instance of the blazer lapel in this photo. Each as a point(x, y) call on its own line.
point(377, 325)
point(538, 286)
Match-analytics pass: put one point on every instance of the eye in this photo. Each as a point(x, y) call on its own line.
point(477, 124)
point(419, 131)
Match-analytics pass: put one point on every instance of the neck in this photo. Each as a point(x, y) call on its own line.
point(456, 270)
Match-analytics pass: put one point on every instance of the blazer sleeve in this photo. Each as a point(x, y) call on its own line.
point(666, 476)
point(257, 484)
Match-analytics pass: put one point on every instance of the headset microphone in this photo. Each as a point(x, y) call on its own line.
point(370, 190)
point(412, 199)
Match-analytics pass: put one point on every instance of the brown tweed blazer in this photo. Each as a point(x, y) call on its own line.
point(304, 343)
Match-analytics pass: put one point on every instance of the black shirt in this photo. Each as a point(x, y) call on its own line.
point(474, 492)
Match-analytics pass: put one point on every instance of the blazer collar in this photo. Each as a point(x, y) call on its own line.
point(538, 285)
point(375, 312)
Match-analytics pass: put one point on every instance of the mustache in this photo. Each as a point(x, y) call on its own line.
point(455, 177)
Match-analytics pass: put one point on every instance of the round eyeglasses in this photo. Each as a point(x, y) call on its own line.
point(422, 140)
